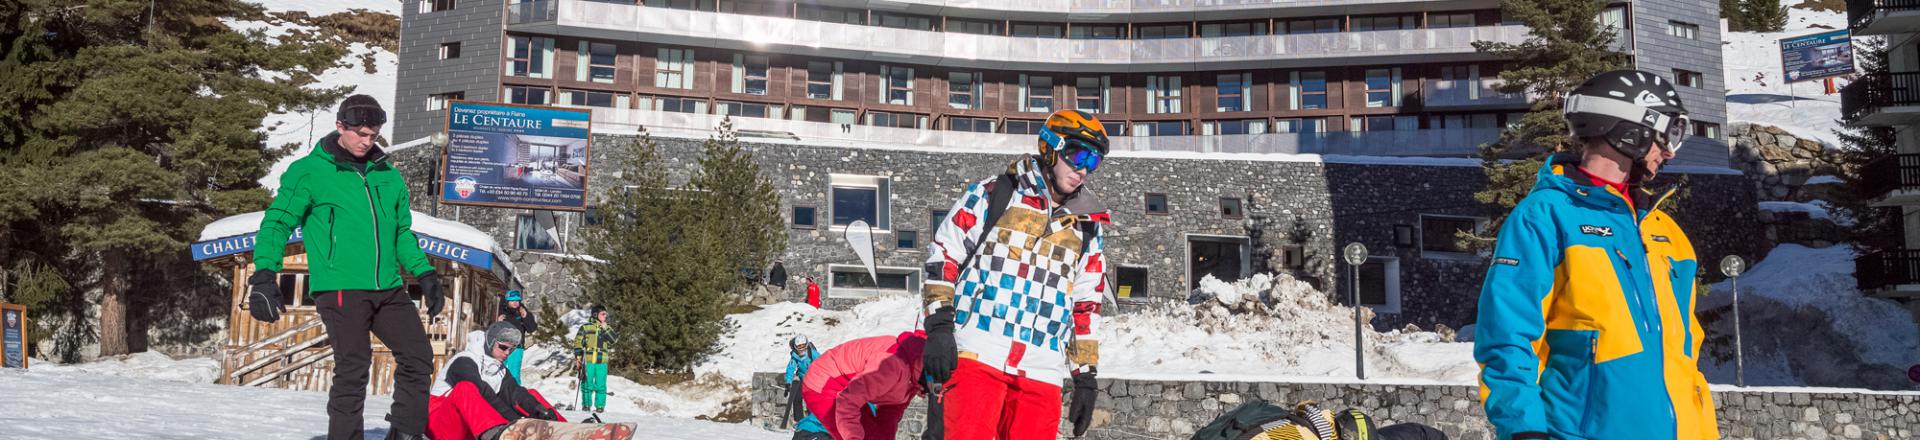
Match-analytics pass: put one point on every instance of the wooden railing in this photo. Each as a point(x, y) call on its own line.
point(281, 355)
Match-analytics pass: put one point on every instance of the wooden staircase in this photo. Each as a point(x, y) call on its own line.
point(287, 359)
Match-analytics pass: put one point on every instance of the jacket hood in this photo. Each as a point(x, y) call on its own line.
point(477, 346)
point(1083, 204)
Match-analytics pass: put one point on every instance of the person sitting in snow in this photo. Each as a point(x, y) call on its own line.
point(475, 398)
point(801, 354)
point(861, 388)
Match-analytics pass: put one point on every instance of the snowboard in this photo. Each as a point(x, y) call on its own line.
point(534, 429)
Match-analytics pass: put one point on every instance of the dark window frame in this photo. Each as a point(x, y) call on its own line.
point(813, 221)
point(1166, 204)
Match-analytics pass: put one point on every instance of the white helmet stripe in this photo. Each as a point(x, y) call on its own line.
point(1618, 109)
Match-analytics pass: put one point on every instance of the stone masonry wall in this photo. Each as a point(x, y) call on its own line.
point(1136, 409)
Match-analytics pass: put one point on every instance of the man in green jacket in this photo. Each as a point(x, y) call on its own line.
point(353, 206)
point(590, 346)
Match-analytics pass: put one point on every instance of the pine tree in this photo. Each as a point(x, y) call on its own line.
point(1567, 45)
point(1734, 11)
point(741, 201)
point(125, 127)
point(1875, 228)
point(1763, 15)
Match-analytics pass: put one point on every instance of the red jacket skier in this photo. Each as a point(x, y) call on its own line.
point(861, 388)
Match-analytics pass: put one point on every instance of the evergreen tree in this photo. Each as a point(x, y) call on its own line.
point(1734, 12)
point(1763, 15)
point(1875, 228)
point(742, 202)
point(1567, 45)
point(125, 127)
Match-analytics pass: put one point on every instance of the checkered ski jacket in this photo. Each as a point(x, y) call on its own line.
point(1030, 303)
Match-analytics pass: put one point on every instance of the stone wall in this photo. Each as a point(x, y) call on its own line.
point(1138, 409)
point(1779, 162)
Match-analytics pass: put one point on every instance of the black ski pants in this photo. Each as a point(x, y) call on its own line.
point(349, 315)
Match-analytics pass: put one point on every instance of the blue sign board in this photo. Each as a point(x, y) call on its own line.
point(1822, 55)
point(516, 156)
point(432, 246)
point(13, 342)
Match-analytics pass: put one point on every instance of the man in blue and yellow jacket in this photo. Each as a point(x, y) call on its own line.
point(1586, 326)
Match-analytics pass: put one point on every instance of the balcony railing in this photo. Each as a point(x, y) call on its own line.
point(1888, 268)
point(1862, 12)
point(533, 11)
point(1422, 143)
point(1468, 93)
point(1889, 173)
point(948, 47)
point(1873, 92)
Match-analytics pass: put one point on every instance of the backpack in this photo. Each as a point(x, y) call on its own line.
point(1253, 420)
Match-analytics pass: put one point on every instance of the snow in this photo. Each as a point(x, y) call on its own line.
point(1804, 109)
point(1816, 209)
point(304, 128)
point(325, 7)
point(1825, 180)
point(105, 401)
point(148, 365)
point(1797, 293)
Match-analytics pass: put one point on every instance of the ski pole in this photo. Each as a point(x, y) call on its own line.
point(936, 424)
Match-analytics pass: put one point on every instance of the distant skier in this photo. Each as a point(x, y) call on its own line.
point(475, 397)
point(590, 348)
point(513, 310)
point(800, 356)
point(1586, 325)
point(813, 292)
point(353, 203)
point(861, 388)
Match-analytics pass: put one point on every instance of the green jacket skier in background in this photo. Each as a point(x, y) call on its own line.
point(590, 348)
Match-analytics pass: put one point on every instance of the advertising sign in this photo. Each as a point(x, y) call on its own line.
point(1822, 55)
point(431, 245)
point(516, 156)
point(13, 337)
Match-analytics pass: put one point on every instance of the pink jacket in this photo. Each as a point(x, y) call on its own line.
point(881, 370)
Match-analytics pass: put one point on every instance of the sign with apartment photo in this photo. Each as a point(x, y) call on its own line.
point(1822, 55)
point(516, 156)
point(13, 337)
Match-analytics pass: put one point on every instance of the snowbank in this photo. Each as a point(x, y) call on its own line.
point(324, 7)
point(147, 365)
point(1799, 295)
point(1753, 78)
point(1816, 210)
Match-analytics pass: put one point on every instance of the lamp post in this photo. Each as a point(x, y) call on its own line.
point(1356, 254)
point(1732, 266)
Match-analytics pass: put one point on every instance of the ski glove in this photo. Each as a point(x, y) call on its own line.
point(1085, 389)
point(1531, 435)
point(941, 355)
point(430, 288)
point(264, 301)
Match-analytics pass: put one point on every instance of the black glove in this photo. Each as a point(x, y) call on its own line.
point(264, 300)
point(1085, 389)
point(940, 356)
point(430, 289)
point(542, 412)
point(1531, 435)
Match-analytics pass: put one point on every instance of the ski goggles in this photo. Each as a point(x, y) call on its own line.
point(363, 116)
point(1078, 154)
point(1672, 129)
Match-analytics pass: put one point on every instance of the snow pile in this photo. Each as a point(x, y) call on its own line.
point(1800, 294)
point(148, 365)
point(759, 341)
point(1816, 210)
point(1755, 92)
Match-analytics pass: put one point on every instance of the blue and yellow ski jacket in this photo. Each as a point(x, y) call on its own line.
point(1586, 326)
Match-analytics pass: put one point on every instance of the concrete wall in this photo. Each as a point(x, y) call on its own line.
point(1135, 410)
point(476, 25)
point(1657, 51)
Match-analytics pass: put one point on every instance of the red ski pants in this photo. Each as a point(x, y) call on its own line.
point(984, 403)
point(463, 414)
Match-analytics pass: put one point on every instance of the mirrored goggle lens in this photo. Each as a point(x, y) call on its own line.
point(1677, 132)
point(1082, 157)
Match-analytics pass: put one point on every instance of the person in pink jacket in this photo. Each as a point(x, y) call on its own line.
point(861, 388)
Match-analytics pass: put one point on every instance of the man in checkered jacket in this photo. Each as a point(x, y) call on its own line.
point(1013, 306)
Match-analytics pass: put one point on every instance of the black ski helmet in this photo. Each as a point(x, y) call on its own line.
point(594, 312)
point(1629, 109)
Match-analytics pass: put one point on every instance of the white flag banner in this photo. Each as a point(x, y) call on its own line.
point(860, 237)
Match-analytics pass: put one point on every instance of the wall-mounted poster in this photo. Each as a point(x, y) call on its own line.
point(13, 337)
point(516, 156)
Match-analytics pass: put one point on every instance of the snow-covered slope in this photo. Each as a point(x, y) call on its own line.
point(1803, 323)
point(1755, 92)
point(303, 128)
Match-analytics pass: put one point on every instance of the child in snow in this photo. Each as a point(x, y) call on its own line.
point(801, 355)
point(475, 398)
point(590, 349)
point(862, 388)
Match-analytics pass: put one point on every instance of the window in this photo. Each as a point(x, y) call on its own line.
point(1163, 94)
point(1459, 121)
point(1156, 203)
point(1390, 22)
point(1383, 87)
point(1439, 21)
point(1230, 208)
point(803, 217)
point(1090, 94)
point(1683, 30)
point(440, 101)
point(1707, 130)
point(1441, 233)
point(896, 120)
point(760, 8)
point(1306, 125)
point(1230, 92)
point(674, 69)
point(1319, 26)
point(596, 62)
point(1241, 126)
point(1130, 282)
point(935, 217)
point(1309, 90)
point(1689, 78)
point(750, 74)
point(898, 84)
point(832, 15)
point(1037, 30)
point(689, 5)
point(1385, 123)
point(823, 80)
point(1380, 284)
point(976, 125)
point(527, 95)
point(592, 99)
point(529, 56)
point(1016, 126)
point(537, 232)
point(963, 90)
point(903, 21)
point(675, 104)
point(859, 198)
point(1160, 128)
point(849, 281)
point(976, 27)
point(1036, 93)
point(1161, 31)
point(747, 109)
point(449, 51)
point(1213, 30)
point(906, 240)
point(1614, 17)
point(1090, 31)
point(435, 5)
